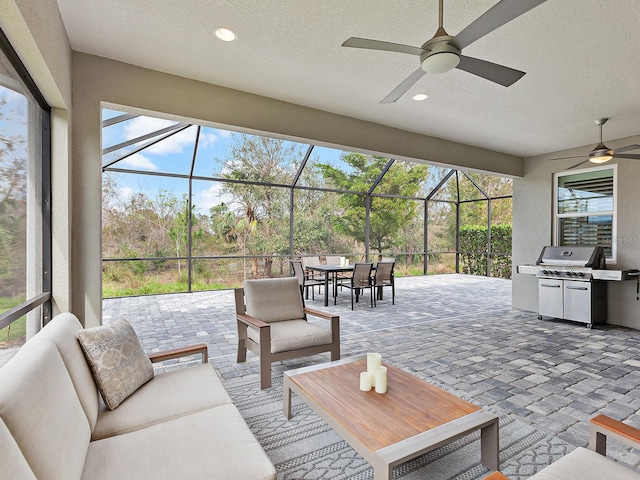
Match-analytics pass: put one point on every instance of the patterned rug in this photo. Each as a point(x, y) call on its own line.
point(306, 448)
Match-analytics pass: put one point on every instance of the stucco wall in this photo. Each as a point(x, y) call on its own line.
point(532, 227)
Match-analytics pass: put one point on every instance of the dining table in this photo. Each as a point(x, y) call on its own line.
point(330, 273)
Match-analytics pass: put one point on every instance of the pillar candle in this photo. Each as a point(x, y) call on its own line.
point(381, 380)
point(374, 360)
point(365, 381)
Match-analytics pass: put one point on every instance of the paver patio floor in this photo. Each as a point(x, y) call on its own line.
point(459, 330)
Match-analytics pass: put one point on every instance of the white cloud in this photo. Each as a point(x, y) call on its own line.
point(210, 197)
point(174, 144)
point(125, 193)
point(139, 161)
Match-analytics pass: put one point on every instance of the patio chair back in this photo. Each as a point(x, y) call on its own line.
point(307, 261)
point(332, 259)
point(361, 275)
point(384, 278)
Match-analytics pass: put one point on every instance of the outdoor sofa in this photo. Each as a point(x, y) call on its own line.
point(179, 424)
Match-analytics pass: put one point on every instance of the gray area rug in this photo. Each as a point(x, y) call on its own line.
point(306, 448)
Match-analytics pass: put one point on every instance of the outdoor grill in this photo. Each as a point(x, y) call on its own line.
point(572, 282)
point(567, 285)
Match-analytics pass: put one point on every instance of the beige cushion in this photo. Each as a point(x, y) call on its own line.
point(585, 464)
point(168, 395)
point(61, 330)
point(14, 465)
point(117, 360)
point(212, 444)
point(273, 299)
point(40, 408)
point(293, 335)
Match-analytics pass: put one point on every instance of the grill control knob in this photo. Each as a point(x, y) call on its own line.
point(581, 274)
point(556, 272)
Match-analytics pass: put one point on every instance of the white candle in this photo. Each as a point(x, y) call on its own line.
point(374, 360)
point(365, 381)
point(346, 262)
point(381, 380)
point(342, 259)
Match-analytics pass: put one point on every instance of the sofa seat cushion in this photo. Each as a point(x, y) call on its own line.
point(585, 464)
point(214, 443)
point(293, 335)
point(117, 360)
point(168, 395)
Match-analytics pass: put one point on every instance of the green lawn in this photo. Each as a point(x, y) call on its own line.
point(18, 328)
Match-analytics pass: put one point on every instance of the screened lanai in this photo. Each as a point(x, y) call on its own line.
point(189, 207)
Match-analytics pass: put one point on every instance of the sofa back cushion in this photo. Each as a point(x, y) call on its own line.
point(40, 407)
point(273, 299)
point(14, 464)
point(62, 332)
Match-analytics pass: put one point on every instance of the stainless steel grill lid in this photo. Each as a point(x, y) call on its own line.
point(573, 256)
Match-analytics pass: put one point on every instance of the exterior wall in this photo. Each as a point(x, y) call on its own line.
point(532, 229)
point(37, 33)
point(99, 81)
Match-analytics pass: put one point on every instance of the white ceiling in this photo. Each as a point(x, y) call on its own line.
point(582, 59)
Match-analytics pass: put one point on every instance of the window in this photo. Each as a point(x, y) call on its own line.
point(585, 206)
point(25, 237)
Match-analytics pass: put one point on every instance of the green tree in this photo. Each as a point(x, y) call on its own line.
point(261, 160)
point(388, 216)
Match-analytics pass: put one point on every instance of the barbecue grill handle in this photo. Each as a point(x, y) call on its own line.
point(551, 285)
point(576, 288)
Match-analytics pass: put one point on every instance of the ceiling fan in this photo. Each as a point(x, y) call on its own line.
point(443, 52)
point(601, 153)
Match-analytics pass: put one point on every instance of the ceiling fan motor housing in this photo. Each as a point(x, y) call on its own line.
point(441, 56)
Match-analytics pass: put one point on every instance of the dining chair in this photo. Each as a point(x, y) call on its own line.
point(384, 278)
point(272, 323)
point(305, 281)
point(360, 280)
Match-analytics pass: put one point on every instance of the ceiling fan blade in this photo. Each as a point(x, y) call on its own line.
point(357, 42)
point(505, 76)
point(577, 165)
point(501, 13)
point(566, 158)
point(633, 156)
point(625, 149)
point(401, 89)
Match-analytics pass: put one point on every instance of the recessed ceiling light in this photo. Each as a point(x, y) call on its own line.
point(420, 97)
point(225, 34)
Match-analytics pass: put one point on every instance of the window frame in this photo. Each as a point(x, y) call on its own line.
point(613, 213)
point(42, 298)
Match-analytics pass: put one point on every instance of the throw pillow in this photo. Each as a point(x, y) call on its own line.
point(117, 360)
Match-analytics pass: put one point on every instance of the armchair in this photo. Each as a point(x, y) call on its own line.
point(272, 323)
point(591, 463)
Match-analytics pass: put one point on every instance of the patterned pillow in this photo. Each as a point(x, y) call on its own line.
point(117, 361)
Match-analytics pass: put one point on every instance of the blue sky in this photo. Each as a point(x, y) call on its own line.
point(173, 155)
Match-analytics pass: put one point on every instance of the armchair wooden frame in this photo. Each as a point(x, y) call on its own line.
point(264, 354)
point(198, 349)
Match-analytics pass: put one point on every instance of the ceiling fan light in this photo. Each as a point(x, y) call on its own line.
point(442, 58)
point(600, 158)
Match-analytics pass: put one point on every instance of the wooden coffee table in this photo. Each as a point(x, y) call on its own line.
point(412, 418)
